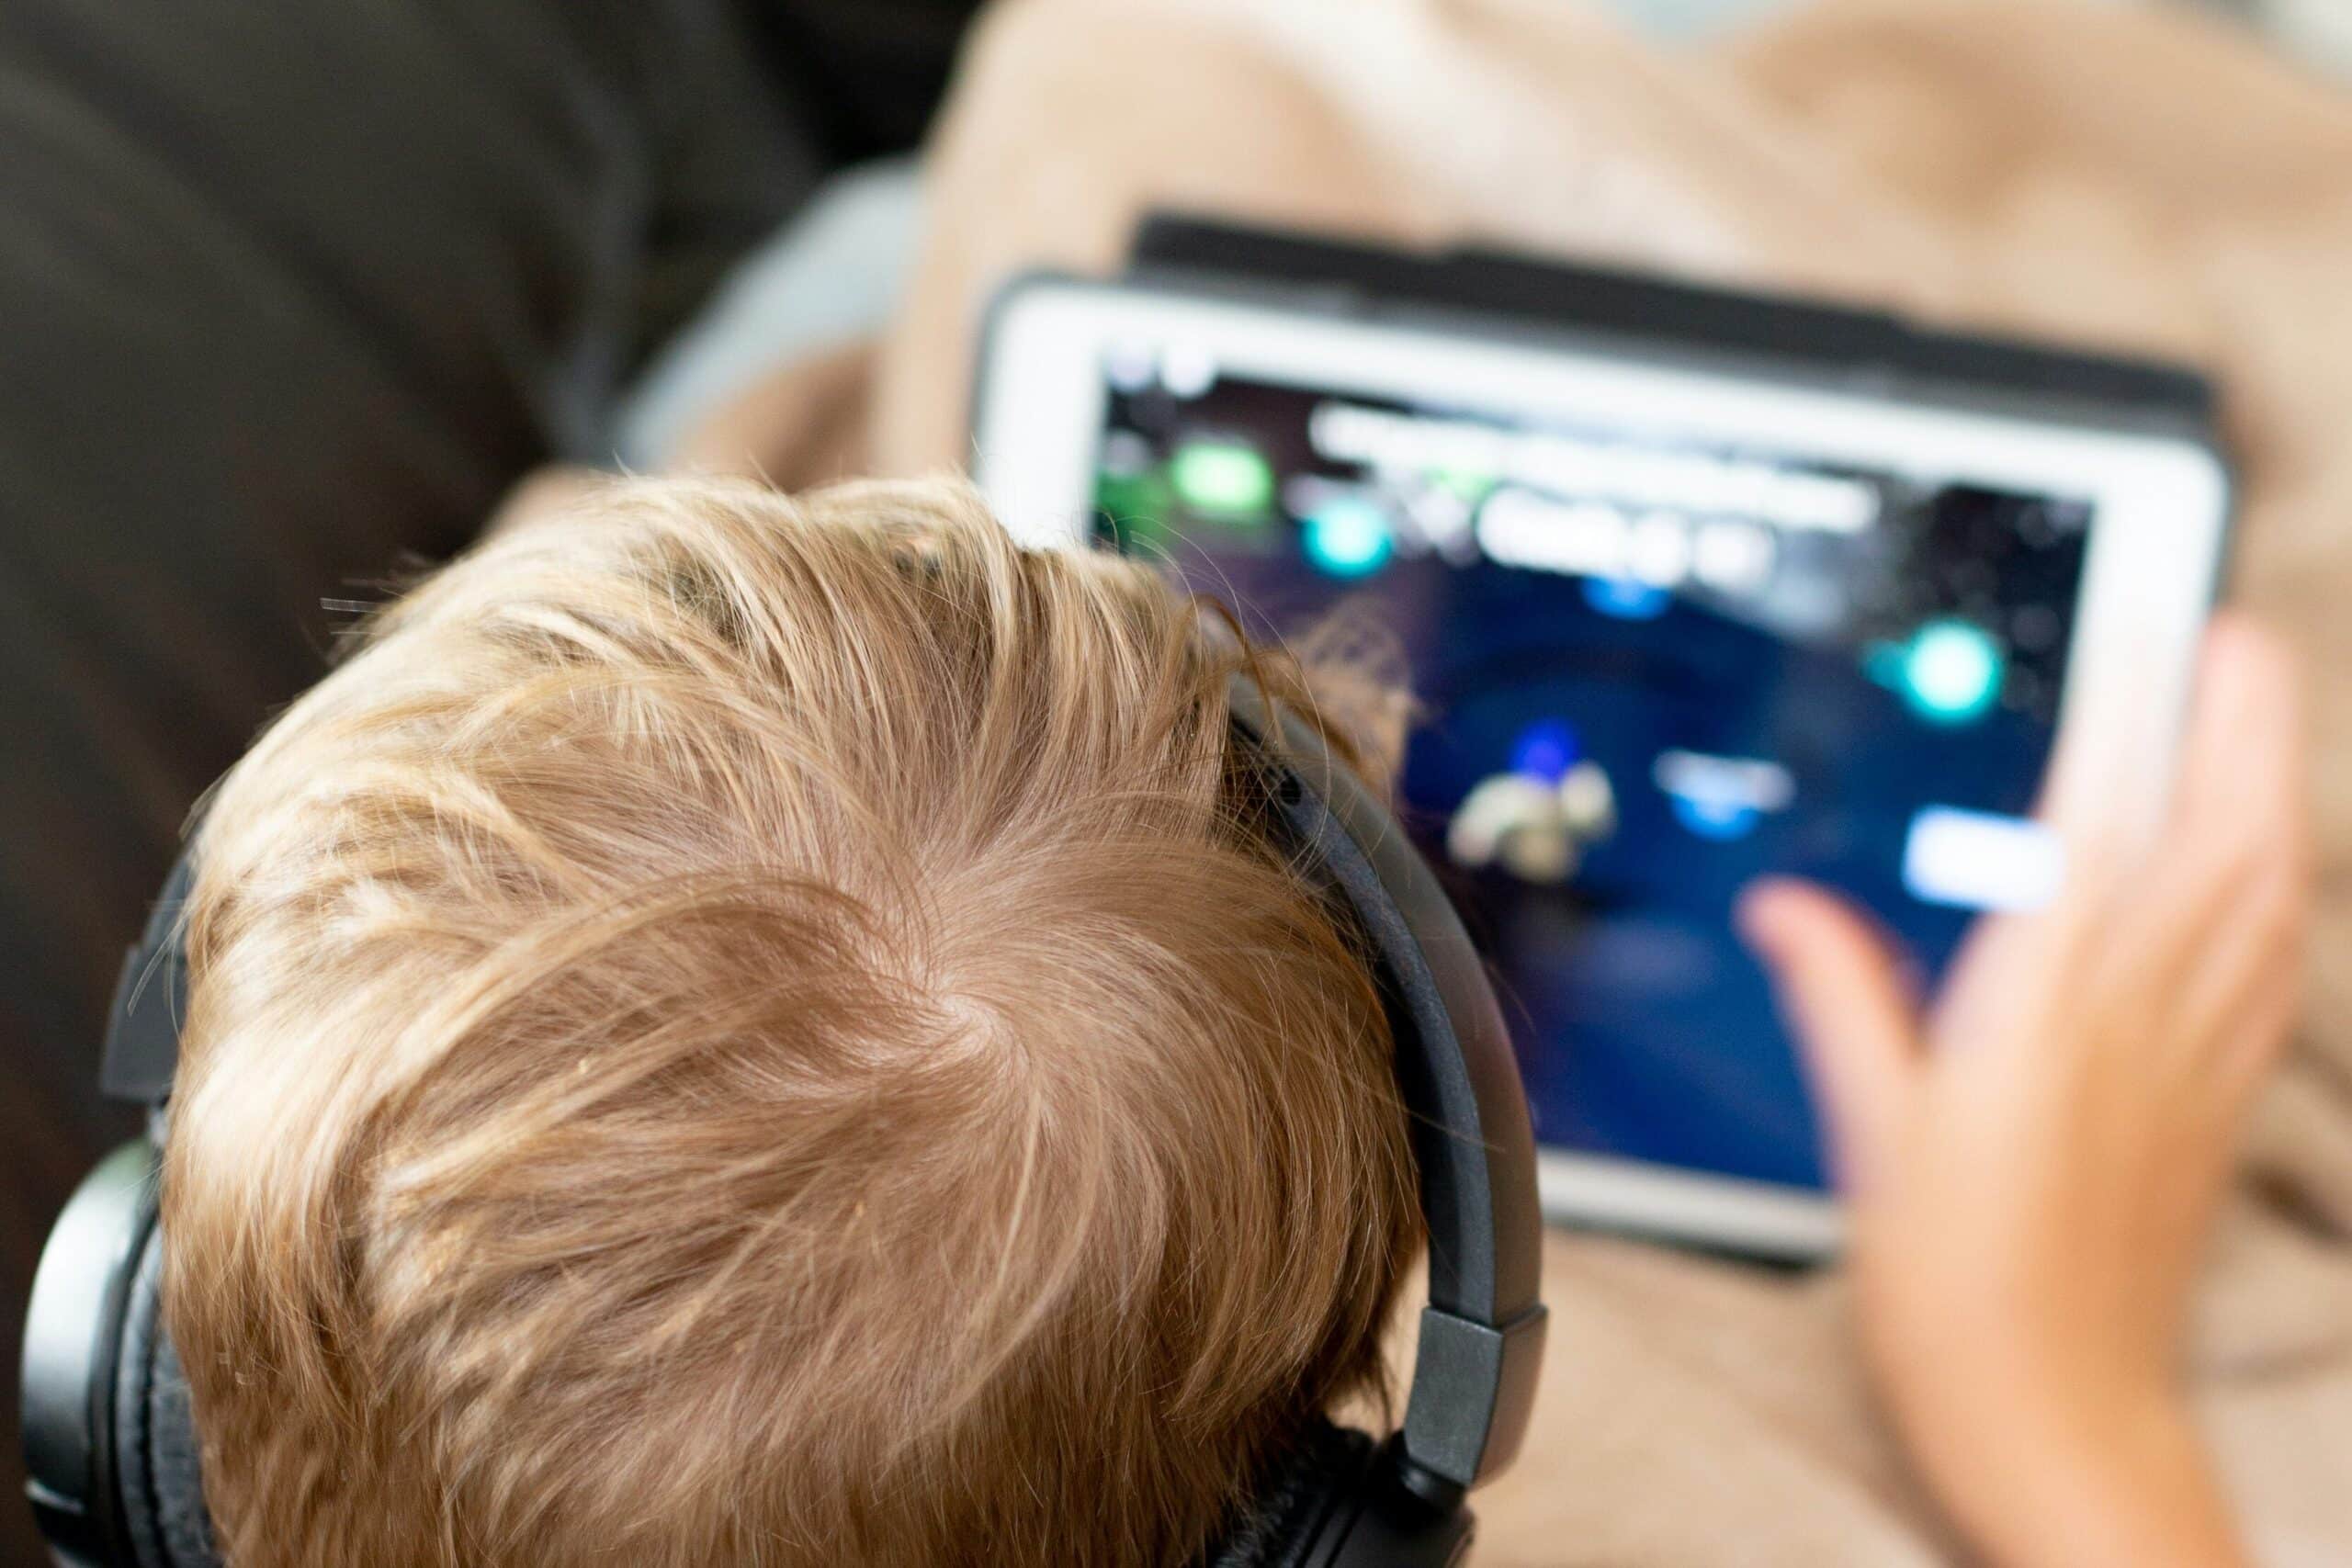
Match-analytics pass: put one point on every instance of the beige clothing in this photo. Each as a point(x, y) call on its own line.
point(2122, 179)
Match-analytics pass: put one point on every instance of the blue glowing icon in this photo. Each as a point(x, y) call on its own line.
point(1348, 535)
point(1721, 798)
point(1951, 671)
point(1719, 821)
point(1545, 751)
point(1625, 598)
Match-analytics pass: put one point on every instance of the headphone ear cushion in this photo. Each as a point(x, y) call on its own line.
point(157, 1459)
point(1288, 1513)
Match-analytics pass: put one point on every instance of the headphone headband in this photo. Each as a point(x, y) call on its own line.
point(1482, 1331)
point(142, 1043)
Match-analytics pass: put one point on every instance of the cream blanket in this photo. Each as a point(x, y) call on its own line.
point(2127, 179)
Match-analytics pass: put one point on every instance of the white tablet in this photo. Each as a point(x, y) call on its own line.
point(1675, 624)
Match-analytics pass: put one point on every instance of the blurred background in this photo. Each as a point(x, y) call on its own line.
point(292, 295)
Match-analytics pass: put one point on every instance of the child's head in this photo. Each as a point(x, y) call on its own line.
point(747, 1031)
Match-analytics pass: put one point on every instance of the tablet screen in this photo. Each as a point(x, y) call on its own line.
point(1652, 667)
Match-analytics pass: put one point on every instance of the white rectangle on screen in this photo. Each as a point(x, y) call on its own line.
point(1971, 860)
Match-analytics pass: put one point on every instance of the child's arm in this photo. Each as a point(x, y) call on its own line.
point(2034, 1165)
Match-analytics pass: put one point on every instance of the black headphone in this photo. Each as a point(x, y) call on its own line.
point(111, 1454)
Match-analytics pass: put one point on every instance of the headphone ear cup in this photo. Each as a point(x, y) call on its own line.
point(1291, 1507)
point(157, 1467)
point(1382, 1522)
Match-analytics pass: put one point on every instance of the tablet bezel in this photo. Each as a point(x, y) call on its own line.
point(2161, 498)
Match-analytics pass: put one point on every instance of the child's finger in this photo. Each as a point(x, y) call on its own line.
point(2242, 758)
point(1844, 994)
point(2229, 885)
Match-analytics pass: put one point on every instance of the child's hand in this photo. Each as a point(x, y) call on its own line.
point(2031, 1166)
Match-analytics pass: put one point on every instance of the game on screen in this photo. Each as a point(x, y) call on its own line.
point(1650, 671)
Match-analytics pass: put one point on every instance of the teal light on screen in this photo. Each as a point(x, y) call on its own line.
point(1950, 672)
point(1347, 537)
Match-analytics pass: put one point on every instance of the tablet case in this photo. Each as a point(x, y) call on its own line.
point(1784, 337)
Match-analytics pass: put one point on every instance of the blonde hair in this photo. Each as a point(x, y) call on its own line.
point(737, 1031)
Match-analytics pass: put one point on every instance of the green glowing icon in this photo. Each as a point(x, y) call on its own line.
point(1950, 672)
point(1226, 481)
point(1134, 510)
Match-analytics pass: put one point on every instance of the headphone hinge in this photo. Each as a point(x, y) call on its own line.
point(1472, 1386)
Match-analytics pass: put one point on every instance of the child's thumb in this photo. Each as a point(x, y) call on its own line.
point(1842, 990)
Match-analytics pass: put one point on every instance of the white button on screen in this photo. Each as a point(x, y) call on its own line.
point(1972, 860)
